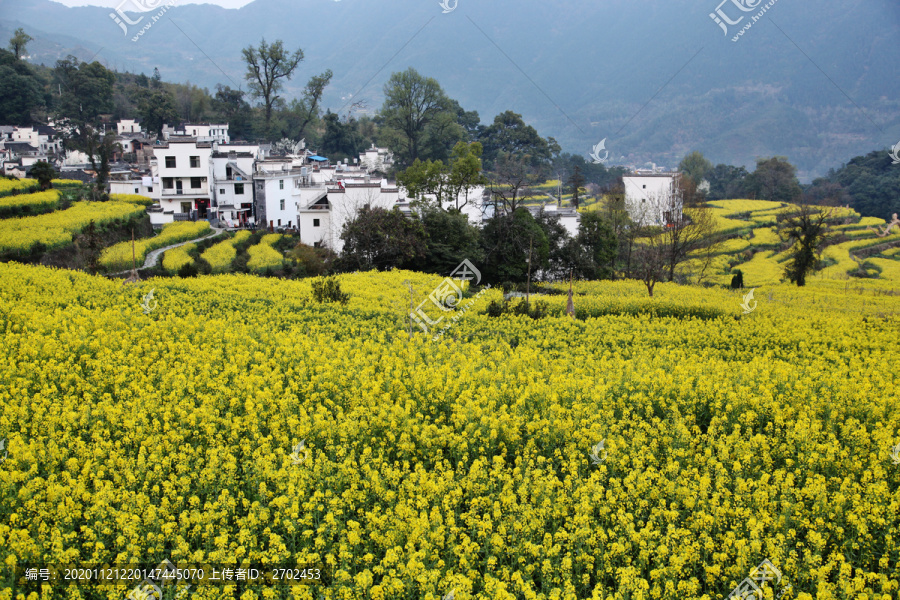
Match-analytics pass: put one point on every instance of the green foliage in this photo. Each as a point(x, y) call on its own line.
point(727, 182)
point(596, 236)
point(506, 240)
point(44, 173)
point(806, 232)
point(737, 282)
point(21, 94)
point(774, 179)
point(416, 115)
point(450, 239)
point(328, 289)
point(509, 134)
point(520, 308)
point(381, 239)
point(695, 166)
point(870, 184)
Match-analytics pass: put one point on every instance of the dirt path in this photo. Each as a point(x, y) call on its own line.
point(153, 256)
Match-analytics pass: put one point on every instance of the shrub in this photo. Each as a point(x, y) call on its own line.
point(328, 289)
point(737, 282)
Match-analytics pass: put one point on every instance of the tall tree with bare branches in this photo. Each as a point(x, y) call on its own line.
point(267, 65)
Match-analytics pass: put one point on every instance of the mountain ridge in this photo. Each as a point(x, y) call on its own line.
point(816, 84)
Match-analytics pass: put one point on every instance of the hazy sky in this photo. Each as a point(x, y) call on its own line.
point(112, 3)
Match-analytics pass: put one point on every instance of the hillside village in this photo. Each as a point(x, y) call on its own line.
point(194, 171)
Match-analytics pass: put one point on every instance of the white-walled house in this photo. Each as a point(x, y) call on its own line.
point(203, 132)
point(273, 188)
point(376, 159)
point(652, 198)
point(322, 220)
point(233, 184)
point(184, 167)
point(128, 126)
point(127, 182)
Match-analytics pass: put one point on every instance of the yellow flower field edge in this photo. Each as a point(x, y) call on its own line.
point(35, 203)
point(132, 198)
point(119, 257)
point(67, 183)
point(462, 466)
point(263, 256)
point(55, 230)
point(221, 255)
point(9, 186)
point(176, 258)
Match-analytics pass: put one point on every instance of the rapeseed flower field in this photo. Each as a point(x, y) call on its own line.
point(464, 468)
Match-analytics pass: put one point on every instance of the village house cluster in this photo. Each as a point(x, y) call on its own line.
point(195, 171)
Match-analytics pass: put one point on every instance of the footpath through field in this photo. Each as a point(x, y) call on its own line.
point(153, 255)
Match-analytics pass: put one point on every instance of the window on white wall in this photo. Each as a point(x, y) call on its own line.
point(282, 205)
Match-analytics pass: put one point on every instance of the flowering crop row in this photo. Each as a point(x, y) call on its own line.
point(120, 256)
point(176, 258)
point(455, 466)
point(133, 198)
point(263, 256)
point(221, 255)
point(7, 186)
point(38, 202)
point(56, 229)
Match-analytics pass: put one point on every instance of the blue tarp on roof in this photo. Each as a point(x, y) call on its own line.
point(319, 158)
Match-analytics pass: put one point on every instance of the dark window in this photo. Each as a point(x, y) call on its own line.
point(221, 191)
point(150, 189)
point(168, 183)
point(645, 186)
point(195, 162)
point(227, 172)
point(317, 244)
point(279, 222)
point(282, 205)
point(170, 162)
point(196, 182)
point(239, 189)
point(137, 191)
point(315, 222)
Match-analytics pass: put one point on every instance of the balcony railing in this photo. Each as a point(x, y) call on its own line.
point(185, 192)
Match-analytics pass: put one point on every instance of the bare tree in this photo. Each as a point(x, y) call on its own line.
point(266, 67)
point(510, 181)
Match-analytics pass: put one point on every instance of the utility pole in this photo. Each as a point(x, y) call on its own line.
point(528, 288)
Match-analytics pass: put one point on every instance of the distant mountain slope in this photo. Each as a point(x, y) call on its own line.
point(578, 71)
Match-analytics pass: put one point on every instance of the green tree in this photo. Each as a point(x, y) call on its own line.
point(341, 140)
point(576, 185)
point(466, 172)
point(381, 239)
point(775, 179)
point(20, 91)
point(267, 65)
point(727, 182)
point(18, 42)
point(231, 107)
point(156, 108)
point(44, 173)
point(696, 167)
point(426, 178)
point(509, 134)
point(87, 91)
point(412, 104)
point(450, 239)
point(507, 239)
point(597, 236)
point(307, 108)
point(807, 232)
